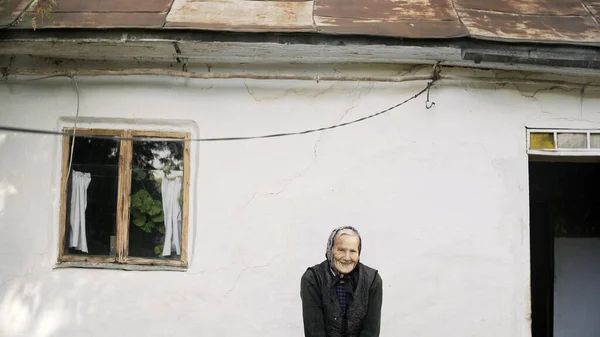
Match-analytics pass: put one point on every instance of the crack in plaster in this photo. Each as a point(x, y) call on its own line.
point(3, 284)
point(487, 154)
point(355, 103)
point(410, 71)
point(576, 120)
point(542, 90)
point(283, 187)
point(265, 194)
point(237, 279)
point(545, 89)
point(581, 97)
point(287, 92)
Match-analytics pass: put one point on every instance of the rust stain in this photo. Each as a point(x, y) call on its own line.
point(11, 9)
point(563, 21)
point(113, 6)
point(531, 27)
point(409, 28)
point(104, 14)
point(394, 18)
point(594, 8)
point(101, 20)
point(386, 10)
point(537, 7)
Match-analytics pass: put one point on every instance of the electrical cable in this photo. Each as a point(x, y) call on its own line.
point(74, 128)
point(435, 77)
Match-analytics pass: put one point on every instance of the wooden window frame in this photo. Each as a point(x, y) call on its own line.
point(124, 200)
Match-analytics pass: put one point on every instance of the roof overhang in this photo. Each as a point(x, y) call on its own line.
point(199, 47)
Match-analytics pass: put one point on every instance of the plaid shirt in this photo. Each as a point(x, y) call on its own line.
point(340, 289)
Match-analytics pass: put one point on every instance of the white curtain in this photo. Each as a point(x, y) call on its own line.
point(79, 185)
point(171, 188)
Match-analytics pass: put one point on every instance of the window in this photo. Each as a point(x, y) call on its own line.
point(563, 142)
point(125, 199)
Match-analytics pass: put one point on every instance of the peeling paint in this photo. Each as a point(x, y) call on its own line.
point(564, 21)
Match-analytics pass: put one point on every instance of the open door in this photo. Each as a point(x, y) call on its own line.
point(565, 246)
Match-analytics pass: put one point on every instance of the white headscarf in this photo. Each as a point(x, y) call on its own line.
point(349, 230)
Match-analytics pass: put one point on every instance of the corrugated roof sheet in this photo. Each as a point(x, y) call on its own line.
point(10, 10)
point(545, 21)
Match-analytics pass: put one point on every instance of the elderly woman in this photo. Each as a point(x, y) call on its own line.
point(341, 297)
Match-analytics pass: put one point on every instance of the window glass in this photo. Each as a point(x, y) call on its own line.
point(92, 198)
point(156, 199)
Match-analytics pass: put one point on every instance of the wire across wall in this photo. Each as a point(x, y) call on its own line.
point(435, 77)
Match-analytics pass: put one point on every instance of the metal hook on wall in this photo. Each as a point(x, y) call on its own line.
point(434, 78)
point(428, 103)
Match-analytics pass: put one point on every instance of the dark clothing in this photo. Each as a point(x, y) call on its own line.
point(340, 289)
point(321, 309)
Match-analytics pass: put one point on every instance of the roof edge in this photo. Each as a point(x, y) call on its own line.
point(210, 46)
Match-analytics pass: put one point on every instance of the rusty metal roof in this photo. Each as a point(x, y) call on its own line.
point(542, 21)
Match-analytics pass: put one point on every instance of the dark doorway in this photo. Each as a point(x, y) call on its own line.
point(564, 232)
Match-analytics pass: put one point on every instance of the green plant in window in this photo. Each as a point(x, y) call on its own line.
point(146, 211)
point(146, 200)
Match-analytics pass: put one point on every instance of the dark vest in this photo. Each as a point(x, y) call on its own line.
point(350, 323)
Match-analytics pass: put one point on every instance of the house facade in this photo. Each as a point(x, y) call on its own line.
point(176, 174)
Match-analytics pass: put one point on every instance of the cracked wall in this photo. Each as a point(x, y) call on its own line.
point(440, 197)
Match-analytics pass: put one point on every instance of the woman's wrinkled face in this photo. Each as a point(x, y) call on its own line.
point(345, 253)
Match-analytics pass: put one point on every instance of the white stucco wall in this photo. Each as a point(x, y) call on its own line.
point(576, 296)
point(440, 197)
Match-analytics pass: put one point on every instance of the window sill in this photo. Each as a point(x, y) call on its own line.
point(117, 266)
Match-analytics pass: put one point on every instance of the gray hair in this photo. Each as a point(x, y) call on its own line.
point(336, 233)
